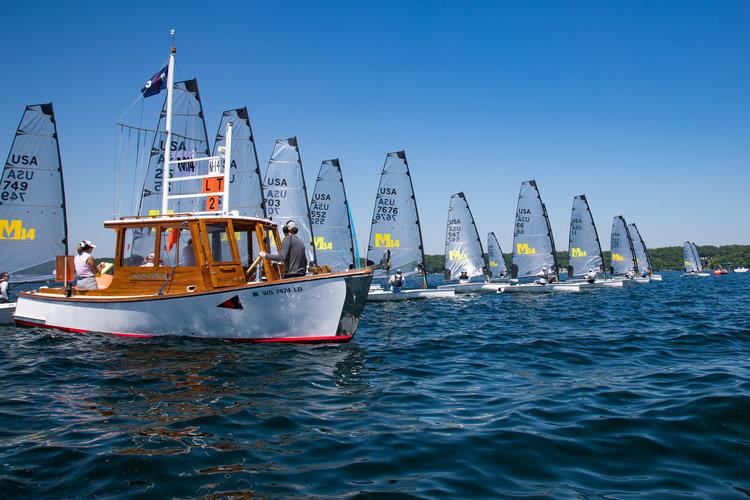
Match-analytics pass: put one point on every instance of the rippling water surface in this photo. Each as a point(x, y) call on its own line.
point(617, 393)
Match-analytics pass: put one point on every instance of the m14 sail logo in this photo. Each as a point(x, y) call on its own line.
point(577, 252)
point(457, 255)
point(493, 263)
point(322, 244)
point(14, 230)
point(525, 249)
point(617, 257)
point(385, 241)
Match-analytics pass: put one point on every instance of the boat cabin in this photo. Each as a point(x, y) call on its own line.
point(184, 253)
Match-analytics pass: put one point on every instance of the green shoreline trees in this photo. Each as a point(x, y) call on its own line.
point(663, 259)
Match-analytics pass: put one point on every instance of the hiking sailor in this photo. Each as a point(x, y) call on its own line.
point(463, 278)
point(4, 298)
point(543, 277)
point(396, 281)
point(591, 276)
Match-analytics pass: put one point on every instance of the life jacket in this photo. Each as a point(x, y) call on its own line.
point(398, 280)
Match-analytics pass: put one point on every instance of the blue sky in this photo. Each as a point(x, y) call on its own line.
point(642, 106)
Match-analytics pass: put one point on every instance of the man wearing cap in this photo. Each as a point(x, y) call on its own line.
point(4, 297)
point(86, 268)
point(292, 252)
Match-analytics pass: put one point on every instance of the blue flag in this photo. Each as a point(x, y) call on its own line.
point(156, 83)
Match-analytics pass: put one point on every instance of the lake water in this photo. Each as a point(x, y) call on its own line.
point(610, 392)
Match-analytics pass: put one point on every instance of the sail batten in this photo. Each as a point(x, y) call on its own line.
point(533, 243)
point(395, 227)
point(285, 192)
point(495, 260)
point(621, 248)
point(245, 184)
point(33, 224)
point(331, 222)
point(584, 247)
point(463, 248)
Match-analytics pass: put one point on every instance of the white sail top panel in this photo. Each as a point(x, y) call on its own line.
point(463, 248)
point(533, 244)
point(621, 248)
point(329, 214)
point(697, 256)
point(495, 260)
point(286, 192)
point(245, 187)
point(395, 220)
point(584, 247)
point(639, 246)
point(32, 199)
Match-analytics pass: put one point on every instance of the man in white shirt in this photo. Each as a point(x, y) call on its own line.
point(4, 298)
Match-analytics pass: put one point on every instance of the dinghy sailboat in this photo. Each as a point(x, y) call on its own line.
point(495, 261)
point(396, 234)
point(534, 246)
point(204, 282)
point(286, 192)
point(623, 259)
point(464, 255)
point(585, 249)
point(641, 253)
point(331, 220)
point(33, 227)
point(692, 261)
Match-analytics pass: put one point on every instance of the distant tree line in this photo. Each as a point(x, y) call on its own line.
point(663, 259)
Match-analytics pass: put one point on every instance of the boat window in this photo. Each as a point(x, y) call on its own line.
point(176, 248)
point(218, 241)
point(246, 246)
point(139, 242)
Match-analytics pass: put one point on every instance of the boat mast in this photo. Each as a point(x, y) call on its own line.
point(168, 145)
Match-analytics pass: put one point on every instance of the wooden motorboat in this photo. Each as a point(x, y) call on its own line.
point(206, 288)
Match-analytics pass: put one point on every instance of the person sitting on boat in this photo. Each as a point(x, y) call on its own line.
point(591, 276)
point(463, 278)
point(292, 252)
point(543, 277)
point(396, 281)
point(552, 276)
point(188, 254)
point(86, 268)
point(630, 274)
point(4, 298)
point(148, 261)
point(646, 273)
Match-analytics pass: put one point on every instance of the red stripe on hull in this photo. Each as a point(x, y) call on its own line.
point(291, 340)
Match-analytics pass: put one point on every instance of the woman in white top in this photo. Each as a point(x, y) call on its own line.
point(86, 268)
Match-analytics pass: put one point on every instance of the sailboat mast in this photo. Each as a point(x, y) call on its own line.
point(168, 145)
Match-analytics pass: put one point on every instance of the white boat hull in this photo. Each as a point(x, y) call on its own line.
point(388, 296)
point(656, 277)
point(325, 309)
point(604, 283)
point(740, 270)
point(6, 313)
point(473, 287)
point(699, 275)
point(535, 288)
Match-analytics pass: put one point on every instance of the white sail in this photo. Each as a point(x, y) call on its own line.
point(639, 246)
point(463, 248)
point(395, 228)
point(245, 186)
point(621, 248)
point(33, 228)
point(286, 192)
point(495, 260)
point(584, 248)
point(533, 244)
point(329, 214)
point(692, 260)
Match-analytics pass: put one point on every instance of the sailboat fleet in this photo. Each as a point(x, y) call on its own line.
point(189, 263)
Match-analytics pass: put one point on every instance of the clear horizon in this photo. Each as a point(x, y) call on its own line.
point(642, 107)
